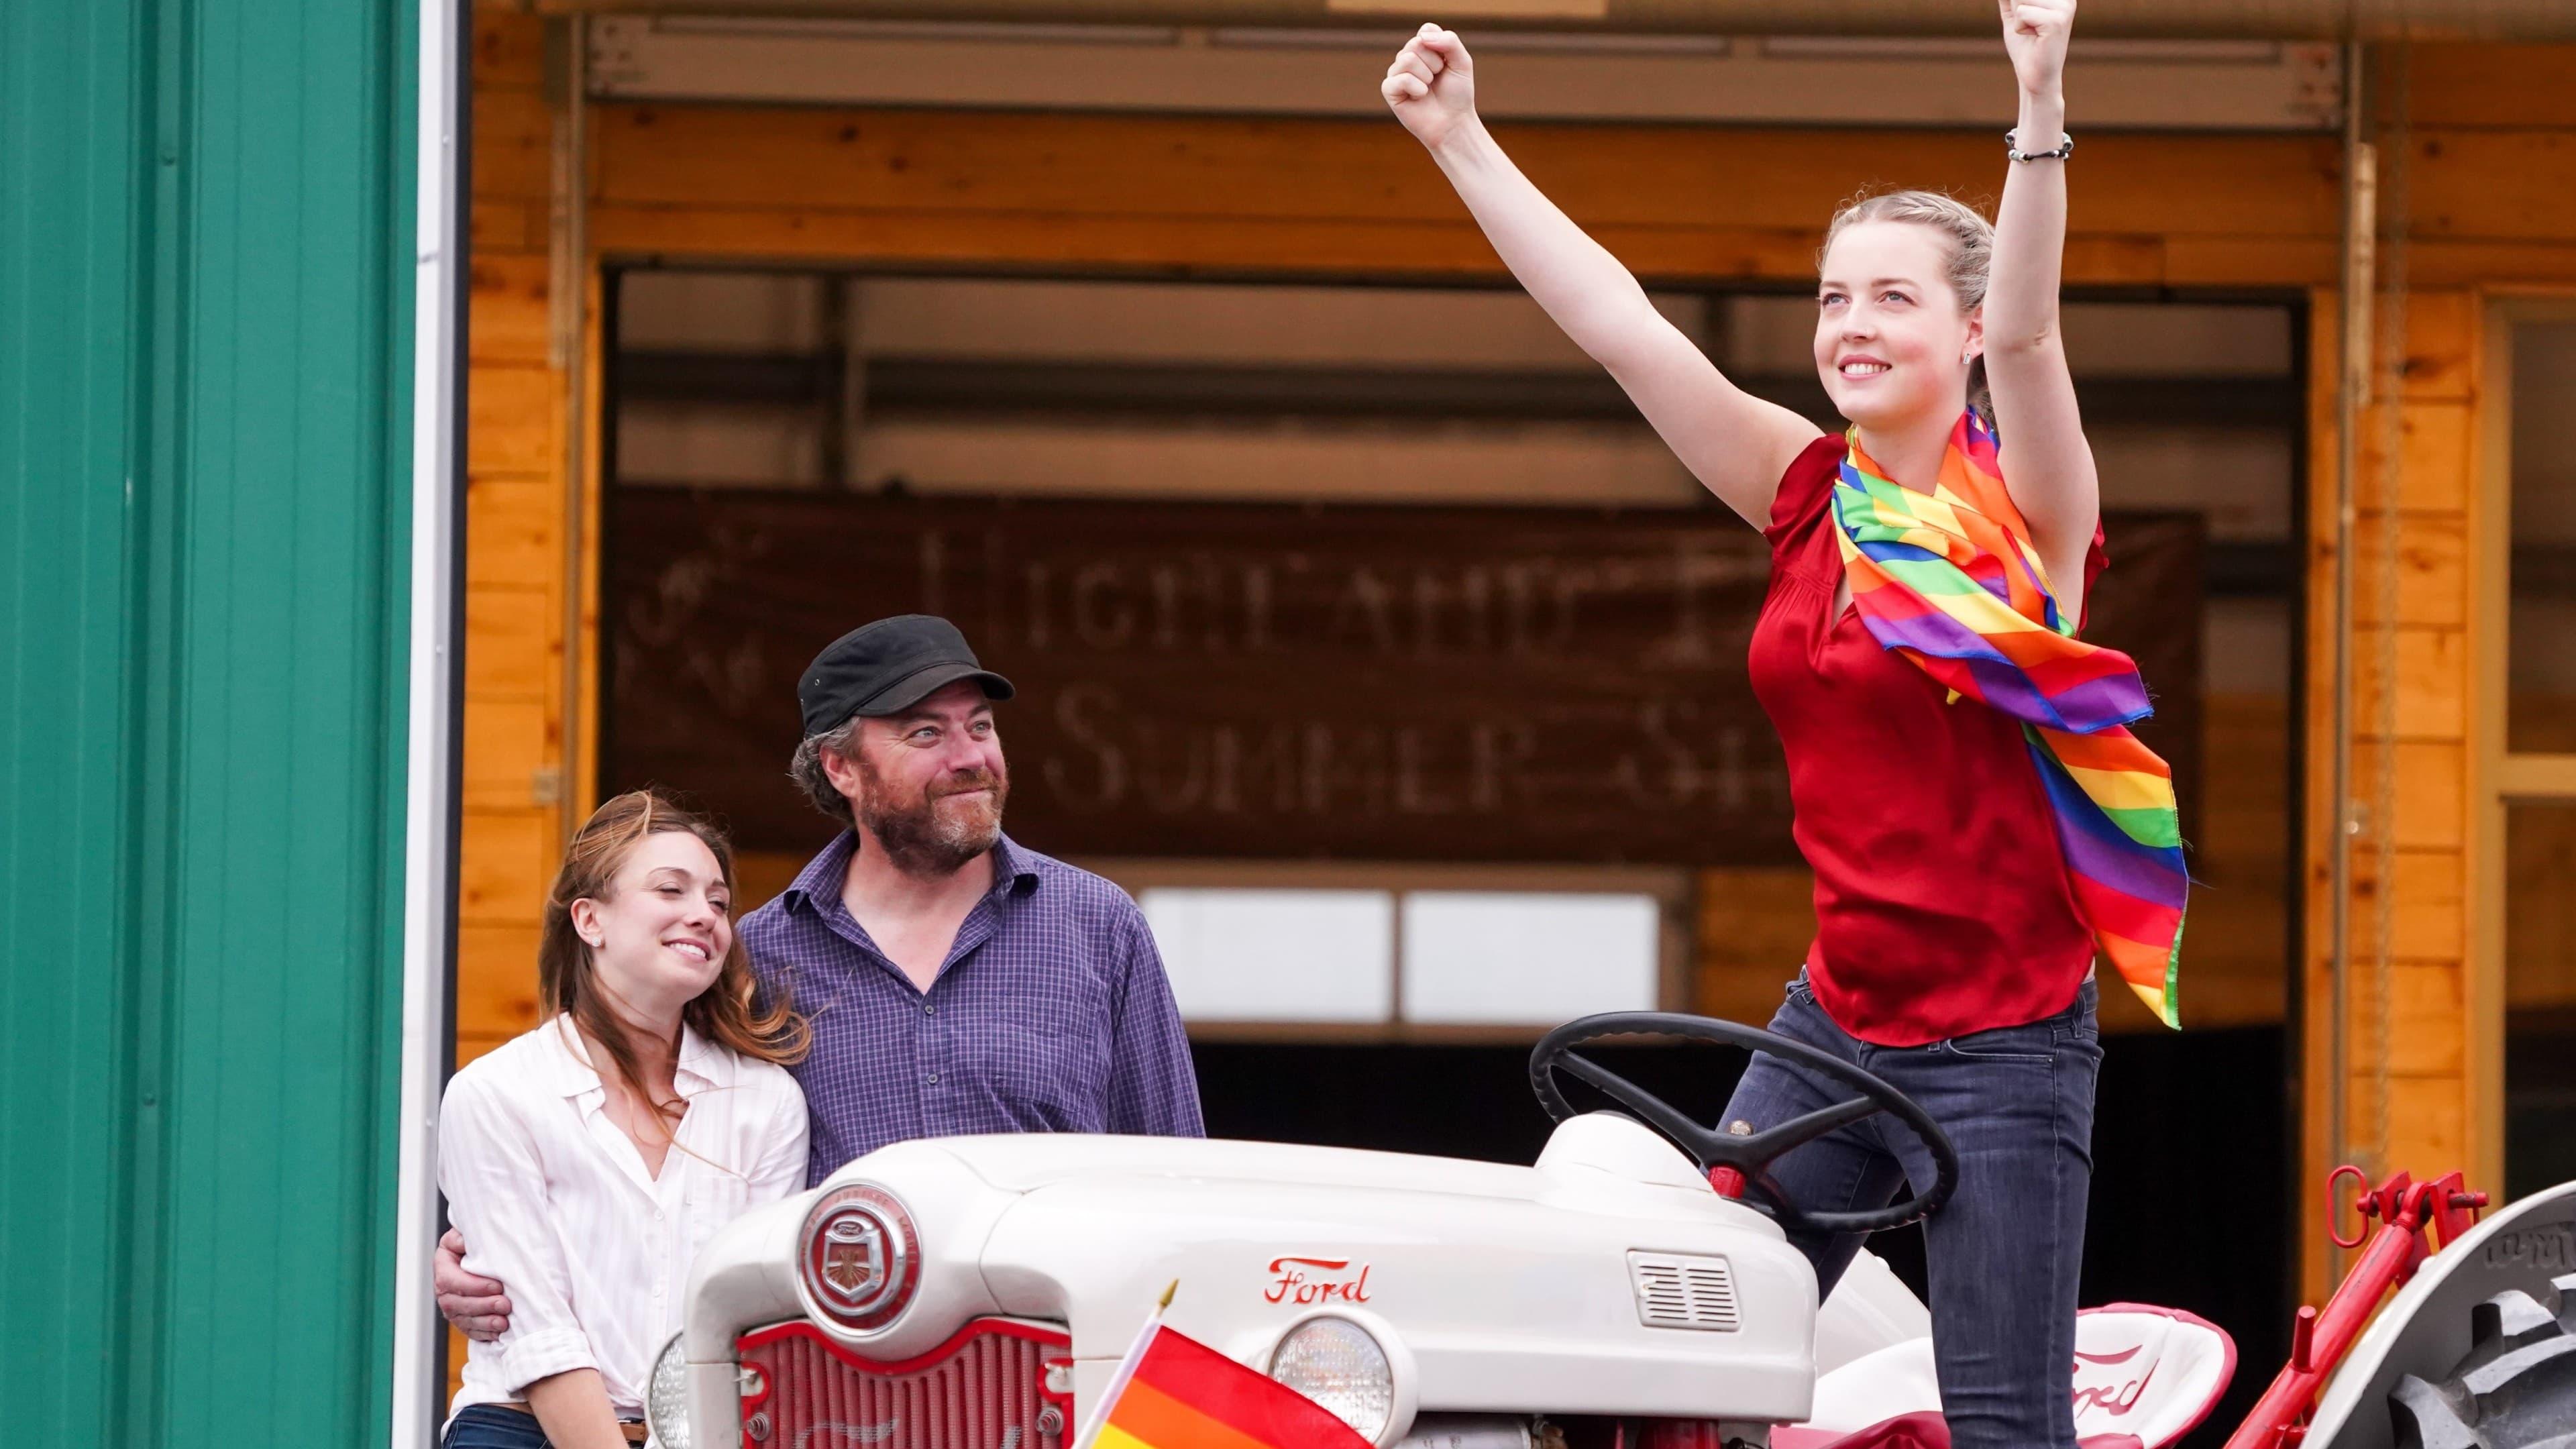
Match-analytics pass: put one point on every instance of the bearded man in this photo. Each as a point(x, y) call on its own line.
point(956, 981)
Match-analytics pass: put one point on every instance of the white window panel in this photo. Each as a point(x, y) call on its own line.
point(1276, 955)
point(1528, 958)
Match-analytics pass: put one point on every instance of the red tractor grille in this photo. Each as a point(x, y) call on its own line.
point(986, 1388)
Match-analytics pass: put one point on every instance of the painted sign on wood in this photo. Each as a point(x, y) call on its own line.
point(1258, 680)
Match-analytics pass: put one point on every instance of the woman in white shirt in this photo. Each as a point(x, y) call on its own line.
point(589, 1160)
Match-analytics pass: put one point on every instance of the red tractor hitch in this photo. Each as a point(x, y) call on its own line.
point(2416, 1219)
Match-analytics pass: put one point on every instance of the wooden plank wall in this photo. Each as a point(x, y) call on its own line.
point(2408, 1100)
point(2495, 128)
point(516, 562)
point(2481, 177)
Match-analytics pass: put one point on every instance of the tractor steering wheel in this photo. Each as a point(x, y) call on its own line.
point(1743, 1161)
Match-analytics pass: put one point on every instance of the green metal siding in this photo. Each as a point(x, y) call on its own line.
point(66, 308)
point(205, 240)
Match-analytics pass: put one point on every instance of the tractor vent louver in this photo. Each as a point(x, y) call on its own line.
point(996, 1382)
point(1683, 1292)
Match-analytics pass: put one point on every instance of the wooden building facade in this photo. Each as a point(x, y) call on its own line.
point(2475, 147)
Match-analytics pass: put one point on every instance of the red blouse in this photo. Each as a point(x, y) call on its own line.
point(1942, 906)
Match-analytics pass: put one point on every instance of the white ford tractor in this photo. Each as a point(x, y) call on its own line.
point(1632, 1289)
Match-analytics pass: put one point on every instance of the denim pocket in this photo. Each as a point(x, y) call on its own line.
point(2029, 1043)
point(2081, 1021)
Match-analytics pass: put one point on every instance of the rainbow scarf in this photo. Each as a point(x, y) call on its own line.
point(1949, 580)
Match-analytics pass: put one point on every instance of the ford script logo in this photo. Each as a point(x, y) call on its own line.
point(1316, 1280)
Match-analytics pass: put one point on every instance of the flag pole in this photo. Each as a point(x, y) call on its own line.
point(1126, 1370)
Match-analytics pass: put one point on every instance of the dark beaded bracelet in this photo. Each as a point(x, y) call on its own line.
point(2012, 147)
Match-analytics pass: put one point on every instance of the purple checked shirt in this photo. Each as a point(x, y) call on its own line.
point(1051, 1014)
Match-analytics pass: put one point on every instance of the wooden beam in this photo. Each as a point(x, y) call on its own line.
point(510, 746)
point(2433, 443)
point(509, 50)
point(512, 418)
point(2432, 567)
point(2430, 921)
point(2425, 1032)
point(511, 648)
point(2537, 777)
point(899, 386)
point(1326, 248)
point(513, 530)
point(2431, 787)
point(2432, 685)
point(2495, 185)
point(2441, 361)
point(507, 226)
point(2512, 86)
point(507, 292)
point(513, 133)
point(813, 159)
point(505, 862)
point(496, 980)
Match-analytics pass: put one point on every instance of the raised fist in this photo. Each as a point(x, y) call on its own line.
point(2035, 37)
point(1431, 87)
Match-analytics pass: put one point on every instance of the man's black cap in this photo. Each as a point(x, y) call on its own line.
point(886, 668)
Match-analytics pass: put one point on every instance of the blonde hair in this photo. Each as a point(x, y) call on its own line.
point(1966, 234)
point(727, 1012)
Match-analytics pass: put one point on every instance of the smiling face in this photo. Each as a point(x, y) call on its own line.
point(1892, 344)
point(928, 784)
point(659, 935)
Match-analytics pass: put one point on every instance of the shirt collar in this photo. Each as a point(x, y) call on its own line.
point(699, 1058)
point(1013, 871)
point(700, 1064)
point(821, 879)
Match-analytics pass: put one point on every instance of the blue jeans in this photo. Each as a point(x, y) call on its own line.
point(2005, 1252)
point(485, 1426)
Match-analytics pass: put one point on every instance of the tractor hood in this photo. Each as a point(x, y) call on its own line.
point(1603, 1151)
point(1605, 1278)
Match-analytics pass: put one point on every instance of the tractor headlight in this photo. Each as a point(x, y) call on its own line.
point(1339, 1365)
point(666, 1397)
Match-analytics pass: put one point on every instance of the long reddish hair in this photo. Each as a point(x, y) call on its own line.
point(729, 1012)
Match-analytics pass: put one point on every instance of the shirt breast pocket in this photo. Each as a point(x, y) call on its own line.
point(1048, 1055)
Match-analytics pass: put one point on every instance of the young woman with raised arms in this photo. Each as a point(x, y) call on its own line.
point(1980, 822)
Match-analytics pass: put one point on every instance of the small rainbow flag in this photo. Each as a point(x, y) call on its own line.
point(1949, 580)
point(1174, 1392)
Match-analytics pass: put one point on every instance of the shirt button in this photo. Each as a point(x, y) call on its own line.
point(933, 1079)
point(929, 1010)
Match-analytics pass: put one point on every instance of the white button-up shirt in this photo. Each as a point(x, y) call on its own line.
point(555, 1202)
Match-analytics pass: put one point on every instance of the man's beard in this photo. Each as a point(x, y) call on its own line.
point(919, 836)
